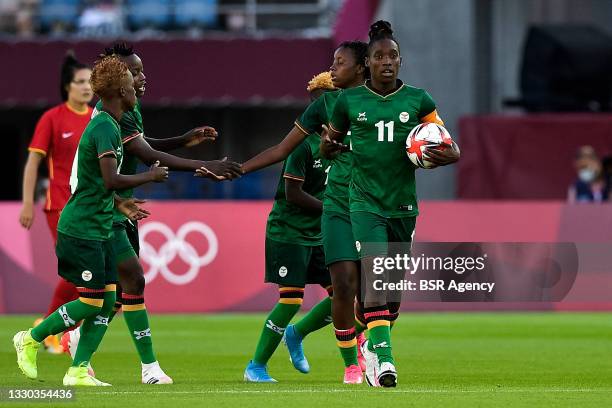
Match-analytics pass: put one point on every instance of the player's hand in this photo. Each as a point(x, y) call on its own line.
point(158, 174)
point(220, 170)
point(26, 217)
point(200, 134)
point(442, 157)
point(130, 208)
point(331, 148)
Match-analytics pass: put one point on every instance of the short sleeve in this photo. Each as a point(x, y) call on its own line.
point(296, 163)
point(340, 121)
point(427, 105)
point(313, 117)
point(130, 127)
point(43, 135)
point(105, 137)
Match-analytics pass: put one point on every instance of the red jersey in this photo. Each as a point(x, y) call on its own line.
point(57, 136)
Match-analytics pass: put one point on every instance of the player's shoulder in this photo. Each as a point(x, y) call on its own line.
point(55, 111)
point(103, 122)
point(355, 91)
point(413, 90)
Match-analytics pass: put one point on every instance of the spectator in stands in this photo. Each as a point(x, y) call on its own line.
point(17, 17)
point(101, 18)
point(590, 185)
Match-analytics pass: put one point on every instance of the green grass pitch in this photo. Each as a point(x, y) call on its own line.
point(443, 360)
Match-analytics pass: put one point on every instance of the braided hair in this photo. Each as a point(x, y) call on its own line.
point(381, 30)
point(119, 49)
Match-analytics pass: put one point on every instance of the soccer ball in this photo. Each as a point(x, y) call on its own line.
point(426, 135)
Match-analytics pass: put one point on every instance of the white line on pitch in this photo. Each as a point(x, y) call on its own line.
point(320, 391)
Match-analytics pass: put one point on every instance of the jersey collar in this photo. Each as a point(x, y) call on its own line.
point(398, 82)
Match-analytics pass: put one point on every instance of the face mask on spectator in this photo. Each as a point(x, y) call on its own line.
point(586, 175)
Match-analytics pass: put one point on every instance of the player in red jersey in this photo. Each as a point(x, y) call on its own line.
point(55, 139)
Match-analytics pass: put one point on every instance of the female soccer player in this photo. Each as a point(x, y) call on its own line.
point(84, 249)
point(125, 233)
point(56, 138)
point(294, 251)
point(348, 70)
point(383, 205)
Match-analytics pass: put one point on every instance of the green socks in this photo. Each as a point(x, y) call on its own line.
point(318, 317)
point(137, 320)
point(276, 322)
point(94, 328)
point(69, 314)
point(347, 343)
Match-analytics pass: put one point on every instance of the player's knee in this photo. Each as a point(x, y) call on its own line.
point(134, 284)
point(344, 290)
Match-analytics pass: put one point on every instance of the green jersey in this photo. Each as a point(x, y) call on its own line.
point(131, 128)
point(287, 222)
point(383, 180)
point(89, 212)
point(336, 197)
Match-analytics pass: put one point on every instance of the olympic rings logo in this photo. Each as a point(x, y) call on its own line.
point(159, 260)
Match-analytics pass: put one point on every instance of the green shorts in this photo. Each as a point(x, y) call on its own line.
point(125, 241)
point(338, 241)
point(295, 265)
point(373, 233)
point(86, 263)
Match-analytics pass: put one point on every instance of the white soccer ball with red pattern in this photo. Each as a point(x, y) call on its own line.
point(423, 136)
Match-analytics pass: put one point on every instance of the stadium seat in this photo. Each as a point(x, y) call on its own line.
point(198, 13)
point(149, 14)
point(58, 11)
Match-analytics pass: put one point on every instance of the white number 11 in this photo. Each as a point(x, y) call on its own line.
point(381, 131)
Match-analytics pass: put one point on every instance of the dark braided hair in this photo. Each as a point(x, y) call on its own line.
point(119, 49)
point(381, 30)
point(360, 52)
point(69, 67)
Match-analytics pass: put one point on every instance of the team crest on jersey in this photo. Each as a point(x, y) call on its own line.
point(362, 117)
point(282, 271)
point(86, 276)
point(404, 117)
point(317, 164)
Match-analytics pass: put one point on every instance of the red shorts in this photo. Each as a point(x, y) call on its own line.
point(52, 220)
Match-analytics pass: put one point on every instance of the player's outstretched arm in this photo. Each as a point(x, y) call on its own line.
point(115, 181)
point(296, 195)
point(130, 208)
point(192, 138)
point(141, 149)
point(30, 174)
point(275, 153)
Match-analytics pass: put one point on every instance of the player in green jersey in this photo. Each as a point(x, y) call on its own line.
point(294, 250)
point(84, 250)
point(382, 194)
point(348, 70)
point(125, 232)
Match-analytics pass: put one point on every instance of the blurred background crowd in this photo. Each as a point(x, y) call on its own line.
point(524, 86)
point(102, 18)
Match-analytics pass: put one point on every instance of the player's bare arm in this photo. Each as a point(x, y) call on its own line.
point(115, 181)
point(140, 148)
point(276, 153)
point(295, 194)
point(192, 138)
